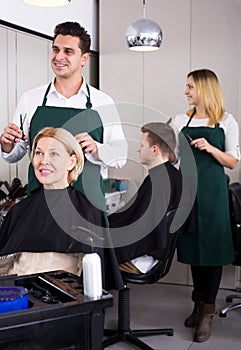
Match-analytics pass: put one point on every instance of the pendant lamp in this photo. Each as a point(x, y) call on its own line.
point(47, 3)
point(144, 34)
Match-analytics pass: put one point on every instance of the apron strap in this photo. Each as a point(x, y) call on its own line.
point(45, 95)
point(190, 119)
point(88, 102)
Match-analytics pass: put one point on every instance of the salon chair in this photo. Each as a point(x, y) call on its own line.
point(235, 214)
point(124, 333)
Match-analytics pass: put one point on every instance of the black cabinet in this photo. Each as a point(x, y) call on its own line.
point(59, 316)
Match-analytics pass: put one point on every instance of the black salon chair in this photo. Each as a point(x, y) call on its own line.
point(235, 212)
point(124, 333)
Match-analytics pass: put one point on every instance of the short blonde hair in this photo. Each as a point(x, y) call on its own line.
point(71, 145)
point(210, 92)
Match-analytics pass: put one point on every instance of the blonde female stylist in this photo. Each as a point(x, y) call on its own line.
point(213, 136)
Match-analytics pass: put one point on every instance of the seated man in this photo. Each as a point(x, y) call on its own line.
point(137, 230)
point(51, 229)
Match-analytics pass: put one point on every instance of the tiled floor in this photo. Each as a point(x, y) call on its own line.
point(165, 305)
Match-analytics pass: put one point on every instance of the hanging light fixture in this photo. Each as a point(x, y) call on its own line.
point(144, 34)
point(47, 3)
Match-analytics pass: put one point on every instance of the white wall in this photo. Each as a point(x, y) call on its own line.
point(44, 19)
point(196, 34)
point(21, 54)
point(150, 86)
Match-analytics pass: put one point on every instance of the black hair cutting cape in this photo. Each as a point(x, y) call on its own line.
point(138, 228)
point(62, 221)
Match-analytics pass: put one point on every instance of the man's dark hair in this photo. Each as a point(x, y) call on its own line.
point(74, 29)
point(163, 136)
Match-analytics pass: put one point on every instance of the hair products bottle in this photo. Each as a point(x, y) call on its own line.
point(92, 275)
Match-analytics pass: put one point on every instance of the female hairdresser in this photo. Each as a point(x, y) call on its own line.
point(213, 136)
point(52, 228)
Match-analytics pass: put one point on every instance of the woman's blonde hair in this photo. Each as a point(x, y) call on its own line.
point(71, 145)
point(210, 93)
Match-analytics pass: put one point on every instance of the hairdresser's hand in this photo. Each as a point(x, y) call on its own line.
point(12, 133)
point(87, 143)
point(202, 144)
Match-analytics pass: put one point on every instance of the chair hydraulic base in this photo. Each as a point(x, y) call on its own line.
point(223, 312)
point(124, 333)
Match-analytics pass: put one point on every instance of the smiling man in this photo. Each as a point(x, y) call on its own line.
point(69, 102)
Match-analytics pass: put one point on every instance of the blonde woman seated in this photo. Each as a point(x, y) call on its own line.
point(50, 229)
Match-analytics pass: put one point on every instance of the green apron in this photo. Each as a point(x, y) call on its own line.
point(76, 121)
point(211, 242)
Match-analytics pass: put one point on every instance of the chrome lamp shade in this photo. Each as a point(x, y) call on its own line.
point(144, 35)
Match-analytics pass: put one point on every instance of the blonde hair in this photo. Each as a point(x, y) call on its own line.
point(71, 145)
point(210, 93)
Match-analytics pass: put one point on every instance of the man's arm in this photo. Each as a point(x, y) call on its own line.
point(13, 147)
point(13, 143)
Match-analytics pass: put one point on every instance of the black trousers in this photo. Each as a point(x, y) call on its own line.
point(206, 281)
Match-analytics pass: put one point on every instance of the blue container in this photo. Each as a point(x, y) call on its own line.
point(122, 185)
point(13, 299)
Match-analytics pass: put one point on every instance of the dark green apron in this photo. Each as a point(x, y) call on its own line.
point(211, 242)
point(76, 121)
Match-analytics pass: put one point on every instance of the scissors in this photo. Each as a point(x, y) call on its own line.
point(22, 121)
point(190, 139)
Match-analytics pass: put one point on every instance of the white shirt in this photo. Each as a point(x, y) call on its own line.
point(113, 151)
point(228, 124)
